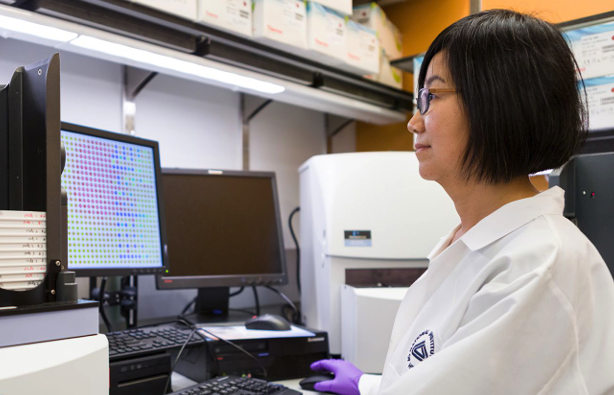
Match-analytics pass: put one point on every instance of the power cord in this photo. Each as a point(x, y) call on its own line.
point(236, 292)
point(103, 314)
point(298, 249)
point(168, 380)
point(190, 324)
point(296, 318)
point(257, 300)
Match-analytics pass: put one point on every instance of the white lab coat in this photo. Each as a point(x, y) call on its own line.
point(521, 304)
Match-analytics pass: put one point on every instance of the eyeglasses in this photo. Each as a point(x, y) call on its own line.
point(425, 95)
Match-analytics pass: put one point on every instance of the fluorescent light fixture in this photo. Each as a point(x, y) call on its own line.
point(167, 62)
point(34, 29)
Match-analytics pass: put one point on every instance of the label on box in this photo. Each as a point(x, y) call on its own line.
point(593, 48)
point(294, 14)
point(600, 93)
point(335, 29)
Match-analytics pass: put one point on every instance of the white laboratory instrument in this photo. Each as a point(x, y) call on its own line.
point(74, 366)
point(367, 318)
point(363, 211)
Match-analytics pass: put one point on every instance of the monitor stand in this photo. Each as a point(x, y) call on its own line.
point(212, 304)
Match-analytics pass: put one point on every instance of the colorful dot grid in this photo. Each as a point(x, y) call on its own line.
point(112, 204)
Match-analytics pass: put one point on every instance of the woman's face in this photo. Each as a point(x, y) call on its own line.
point(441, 133)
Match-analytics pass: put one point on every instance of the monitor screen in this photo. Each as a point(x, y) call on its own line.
point(115, 219)
point(224, 229)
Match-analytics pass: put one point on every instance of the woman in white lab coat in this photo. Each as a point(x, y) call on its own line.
point(515, 300)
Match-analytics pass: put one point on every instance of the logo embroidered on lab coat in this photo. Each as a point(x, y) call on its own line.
point(422, 348)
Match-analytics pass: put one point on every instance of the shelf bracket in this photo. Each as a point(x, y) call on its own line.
point(333, 125)
point(133, 82)
point(249, 108)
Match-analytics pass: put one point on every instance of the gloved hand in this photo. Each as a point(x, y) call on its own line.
point(346, 376)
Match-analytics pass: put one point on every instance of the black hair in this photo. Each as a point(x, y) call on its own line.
point(518, 85)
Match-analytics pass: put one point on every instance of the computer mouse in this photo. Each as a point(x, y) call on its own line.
point(268, 322)
point(310, 382)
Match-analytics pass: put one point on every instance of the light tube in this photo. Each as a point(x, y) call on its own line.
point(34, 29)
point(170, 63)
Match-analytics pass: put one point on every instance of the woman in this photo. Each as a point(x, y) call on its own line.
point(516, 300)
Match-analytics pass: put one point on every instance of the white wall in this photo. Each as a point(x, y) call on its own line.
point(197, 126)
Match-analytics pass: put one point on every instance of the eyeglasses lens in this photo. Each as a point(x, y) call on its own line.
point(423, 103)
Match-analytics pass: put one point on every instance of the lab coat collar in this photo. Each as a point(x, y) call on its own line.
point(512, 216)
point(444, 243)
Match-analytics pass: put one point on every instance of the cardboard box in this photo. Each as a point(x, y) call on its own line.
point(372, 15)
point(281, 23)
point(231, 15)
point(342, 6)
point(387, 75)
point(363, 51)
point(326, 36)
point(183, 8)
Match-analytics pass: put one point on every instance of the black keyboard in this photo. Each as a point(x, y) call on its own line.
point(233, 385)
point(144, 341)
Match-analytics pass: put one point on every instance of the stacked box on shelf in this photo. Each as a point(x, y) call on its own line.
point(342, 6)
point(280, 23)
point(183, 8)
point(326, 36)
point(230, 15)
point(372, 15)
point(390, 38)
point(387, 75)
point(363, 50)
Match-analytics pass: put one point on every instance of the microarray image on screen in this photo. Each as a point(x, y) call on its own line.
point(113, 218)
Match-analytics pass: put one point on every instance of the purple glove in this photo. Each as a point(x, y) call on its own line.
point(346, 376)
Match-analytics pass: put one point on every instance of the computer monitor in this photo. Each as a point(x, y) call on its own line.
point(115, 211)
point(224, 229)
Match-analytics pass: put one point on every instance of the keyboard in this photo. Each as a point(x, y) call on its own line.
point(144, 341)
point(233, 385)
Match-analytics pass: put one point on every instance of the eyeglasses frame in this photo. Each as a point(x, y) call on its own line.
point(428, 101)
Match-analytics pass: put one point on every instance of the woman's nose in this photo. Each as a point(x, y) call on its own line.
point(415, 124)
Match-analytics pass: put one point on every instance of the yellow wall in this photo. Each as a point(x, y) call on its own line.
point(420, 21)
point(554, 11)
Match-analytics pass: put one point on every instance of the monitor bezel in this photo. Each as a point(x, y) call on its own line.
point(229, 280)
point(125, 138)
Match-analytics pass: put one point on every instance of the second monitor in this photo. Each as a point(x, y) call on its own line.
point(223, 229)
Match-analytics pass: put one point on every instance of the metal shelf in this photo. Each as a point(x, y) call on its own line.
point(155, 27)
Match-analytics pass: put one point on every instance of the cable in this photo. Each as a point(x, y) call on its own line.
point(187, 307)
point(257, 300)
point(298, 249)
point(211, 352)
point(192, 325)
point(251, 313)
point(297, 315)
point(237, 292)
point(103, 314)
point(168, 380)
